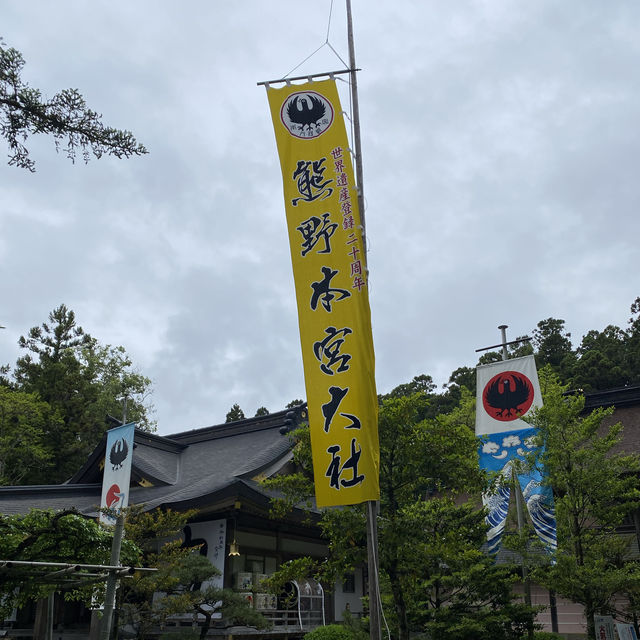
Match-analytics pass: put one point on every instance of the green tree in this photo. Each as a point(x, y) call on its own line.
point(522, 348)
point(434, 404)
point(157, 535)
point(180, 584)
point(419, 460)
point(296, 569)
point(47, 536)
point(633, 342)
point(262, 411)
point(630, 609)
point(65, 117)
point(24, 420)
point(192, 594)
point(295, 487)
point(82, 382)
point(553, 347)
point(602, 360)
point(235, 413)
point(294, 403)
point(460, 593)
point(635, 310)
point(52, 370)
point(51, 340)
point(5, 369)
point(462, 377)
point(121, 387)
point(594, 488)
point(420, 384)
point(489, 357)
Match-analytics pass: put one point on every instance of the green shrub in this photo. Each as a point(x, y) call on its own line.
point(184, 634)
point(329, 632)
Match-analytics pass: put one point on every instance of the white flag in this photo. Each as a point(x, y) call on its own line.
point(626, 631)
point(506, 390)
point(117, 470)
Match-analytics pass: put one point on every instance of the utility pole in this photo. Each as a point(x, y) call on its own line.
point(372, 506)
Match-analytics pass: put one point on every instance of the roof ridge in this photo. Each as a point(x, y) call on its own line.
point(237, 427)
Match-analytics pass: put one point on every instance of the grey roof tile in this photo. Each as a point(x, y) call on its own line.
point(183, 467)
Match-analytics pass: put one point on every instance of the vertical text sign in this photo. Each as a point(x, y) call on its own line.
point(327, 253)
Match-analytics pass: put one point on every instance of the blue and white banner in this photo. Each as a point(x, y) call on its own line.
point(626, 631)
point(506, 391)
point(117, 470)
point(504, 453)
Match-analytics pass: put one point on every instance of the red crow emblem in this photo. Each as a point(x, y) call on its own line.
point(114, 496)
point(507, 396)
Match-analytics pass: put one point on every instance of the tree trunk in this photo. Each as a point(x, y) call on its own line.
point(206, 624)
point(589, 612)
point(401, 607)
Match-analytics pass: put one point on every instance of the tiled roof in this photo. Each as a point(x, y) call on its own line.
point(619, 397)
point(184, 468)
point(85, 498)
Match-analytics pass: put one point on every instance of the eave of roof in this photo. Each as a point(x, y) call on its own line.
point(237, 489)
point(620, 397)
point(40, 489)
point(84, 498)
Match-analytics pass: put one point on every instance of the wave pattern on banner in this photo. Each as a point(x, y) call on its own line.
point(498, 452)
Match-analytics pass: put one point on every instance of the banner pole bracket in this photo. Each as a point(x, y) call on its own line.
point(312, 76)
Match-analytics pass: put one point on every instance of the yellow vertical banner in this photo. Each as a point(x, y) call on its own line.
point(327, 253)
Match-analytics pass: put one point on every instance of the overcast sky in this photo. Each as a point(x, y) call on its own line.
point(501, 145)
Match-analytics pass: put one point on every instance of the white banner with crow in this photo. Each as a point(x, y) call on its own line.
point(507, 391)
point(117, 471)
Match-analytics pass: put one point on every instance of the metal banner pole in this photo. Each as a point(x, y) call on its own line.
point(372, 506)
point(112, 580)
point(519, 499)
point(116, 546)
point(372, 564)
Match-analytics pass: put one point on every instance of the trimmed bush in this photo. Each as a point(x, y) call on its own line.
point(329, 632)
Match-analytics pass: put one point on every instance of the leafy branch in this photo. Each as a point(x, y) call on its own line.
point(66, 117)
